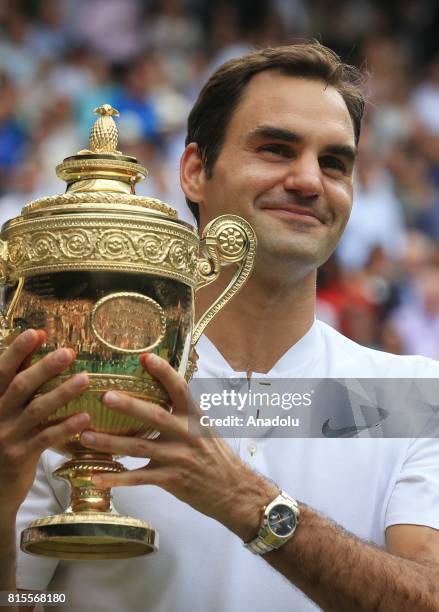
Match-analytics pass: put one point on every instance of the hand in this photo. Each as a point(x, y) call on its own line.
point(21, 443)
point(200, 470)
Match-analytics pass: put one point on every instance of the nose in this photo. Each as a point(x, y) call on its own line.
point(303, 177)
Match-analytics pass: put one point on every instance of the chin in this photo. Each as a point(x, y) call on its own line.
point(301, 260)
point(295, 247)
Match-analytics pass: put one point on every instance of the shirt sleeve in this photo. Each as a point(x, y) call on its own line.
point(415, 497)
point(35, 572)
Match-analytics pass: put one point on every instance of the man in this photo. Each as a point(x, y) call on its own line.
point(273, 138)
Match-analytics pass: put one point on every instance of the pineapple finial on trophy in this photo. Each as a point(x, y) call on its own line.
point(102, 168)
point(103, 135)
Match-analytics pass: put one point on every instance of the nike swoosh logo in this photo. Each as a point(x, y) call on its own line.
point(351, 431)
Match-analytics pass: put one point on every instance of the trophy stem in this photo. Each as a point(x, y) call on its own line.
point(85, 496)
point(90, 528)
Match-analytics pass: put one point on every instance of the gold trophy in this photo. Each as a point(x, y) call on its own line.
point(111, 275)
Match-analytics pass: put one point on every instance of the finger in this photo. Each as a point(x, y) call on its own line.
point(25, 384)
point(168, 452)
point(44, 405)
point(41, 340)
point(14, 356)
point(152, 414)
point(55, 434)
point(174, 384)
point(158, 476)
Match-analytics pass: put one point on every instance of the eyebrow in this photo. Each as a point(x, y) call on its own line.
point(268, 131)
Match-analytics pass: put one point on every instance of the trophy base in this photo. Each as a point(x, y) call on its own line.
point(89, 536)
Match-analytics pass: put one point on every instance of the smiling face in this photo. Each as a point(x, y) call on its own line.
point(286, 166)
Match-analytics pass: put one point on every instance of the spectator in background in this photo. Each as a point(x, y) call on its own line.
point(425, 100)
point(48, 34)
point(101, 87)
point(12, 134)
point(134, 99)
point(376, 218)
point(25, 183)
point(344, 299)
point(417, 322)
point(175, 35)
point(414, 187)
point(111, 28)
point(16, 58)
point(57, 137)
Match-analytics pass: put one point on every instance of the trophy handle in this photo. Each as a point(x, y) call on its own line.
point(227, 239)
point(7, 318)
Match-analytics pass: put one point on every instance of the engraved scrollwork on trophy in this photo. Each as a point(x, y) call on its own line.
point(192, 259)
point(77, 243)
point(152, 248)
point(178, 255)
point(44, 245)
point(116, 244)
point(18, 251)
point(62, 244)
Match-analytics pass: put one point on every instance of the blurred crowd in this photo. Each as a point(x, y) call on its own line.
point(59, 59)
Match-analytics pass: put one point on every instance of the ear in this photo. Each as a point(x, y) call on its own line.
point(192, 175)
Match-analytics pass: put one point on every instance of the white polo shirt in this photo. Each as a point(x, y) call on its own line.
point(364, 484)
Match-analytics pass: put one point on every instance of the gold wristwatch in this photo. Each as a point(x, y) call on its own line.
point(279, 522)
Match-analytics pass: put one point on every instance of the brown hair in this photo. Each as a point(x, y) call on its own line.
point(211, 113)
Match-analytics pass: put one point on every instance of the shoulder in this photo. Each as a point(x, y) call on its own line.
point(347, 358)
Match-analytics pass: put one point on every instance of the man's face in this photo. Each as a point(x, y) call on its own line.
point(286, 166)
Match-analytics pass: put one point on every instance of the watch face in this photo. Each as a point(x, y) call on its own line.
point(281, 520)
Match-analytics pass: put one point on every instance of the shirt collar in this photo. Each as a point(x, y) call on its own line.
point(293, 362)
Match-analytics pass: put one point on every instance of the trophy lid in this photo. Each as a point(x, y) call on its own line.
point(99, 223)
point(101, 175)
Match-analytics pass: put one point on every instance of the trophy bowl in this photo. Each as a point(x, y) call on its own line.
point(111, 275)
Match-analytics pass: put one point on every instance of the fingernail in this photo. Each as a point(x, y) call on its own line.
point(29, 336)
point(88, 438)
point(112, 398)
point(63, 356)
point(80, 380)
point(97, 480)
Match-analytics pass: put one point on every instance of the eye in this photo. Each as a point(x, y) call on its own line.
point(276, 149)
point(333, 163)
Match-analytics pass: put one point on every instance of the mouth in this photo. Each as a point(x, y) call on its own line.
point(294, 213)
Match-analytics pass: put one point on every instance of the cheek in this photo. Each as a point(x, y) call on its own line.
point(245, 174)
point(340, 197)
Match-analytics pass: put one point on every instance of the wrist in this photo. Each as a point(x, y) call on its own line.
point(244, 519)
point(8, 518)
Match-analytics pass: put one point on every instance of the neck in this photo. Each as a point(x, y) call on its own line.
point(262, 321)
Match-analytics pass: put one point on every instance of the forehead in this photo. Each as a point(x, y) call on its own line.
point(295, 103)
